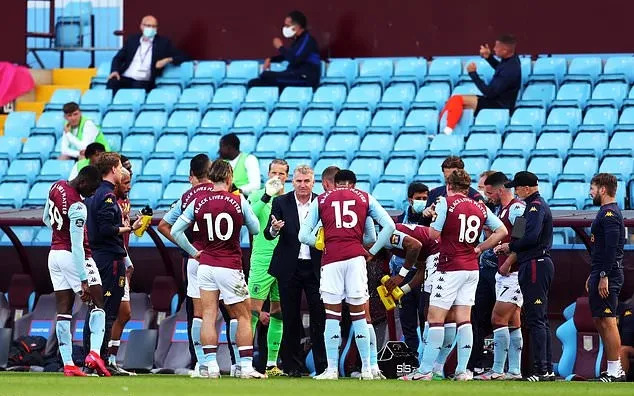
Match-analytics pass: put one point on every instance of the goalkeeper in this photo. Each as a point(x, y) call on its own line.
point(261, 284)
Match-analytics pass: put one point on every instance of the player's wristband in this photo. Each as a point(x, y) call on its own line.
point(403, 272)
point(406, 289)
point(265, 198)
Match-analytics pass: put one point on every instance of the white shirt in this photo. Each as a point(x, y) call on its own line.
point(71, 145)
point(302, 212)
point(253, 173)
point(141, 66)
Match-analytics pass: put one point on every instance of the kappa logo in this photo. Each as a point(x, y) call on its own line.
point(438, 295)
point(335, 337)
point(627, 313)
point(538, 302)
point(533, 209)
point(607, 311)
point(93, 280)
point(439, 287)
point(108, 294)
point(109, 200)
point(609, 214)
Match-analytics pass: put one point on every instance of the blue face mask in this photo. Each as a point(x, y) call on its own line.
point(149, 32)
point(418, 205)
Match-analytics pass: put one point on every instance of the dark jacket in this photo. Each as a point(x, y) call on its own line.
point(104, 220)
point(161, 48)
point(284, 260)
point(505, 83)
point(302, 57)
point(538, 235)
point(441, 191)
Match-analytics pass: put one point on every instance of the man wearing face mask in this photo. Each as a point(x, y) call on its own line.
point(142, 58)
point(304, 63)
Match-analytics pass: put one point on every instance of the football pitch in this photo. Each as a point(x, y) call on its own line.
point(26, 384)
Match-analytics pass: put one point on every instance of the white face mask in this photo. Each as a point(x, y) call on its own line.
point(288, 31)
point(484, 197)
point(149, 32)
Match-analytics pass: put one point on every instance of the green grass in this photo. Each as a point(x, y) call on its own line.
point(26, 384)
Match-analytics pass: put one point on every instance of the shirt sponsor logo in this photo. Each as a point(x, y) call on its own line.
point(395, 239)
point(79, 222)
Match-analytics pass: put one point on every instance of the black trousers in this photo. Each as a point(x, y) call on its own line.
point(112, 271)
point(411, 313)
point(535, 277)
point(481, 313)
point(126, 82)
point(283, 79)
point(303, 280)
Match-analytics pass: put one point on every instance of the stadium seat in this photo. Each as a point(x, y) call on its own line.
point(581, 162)
point(251, 120)
point(407, 141)
point(559, 140)
point(175, 188)
point(184, 121)
point(573, 93)
point(431, 164)
point(604, 117)
point(584, 68)
point(531, 118)
point(597, 141)
point(229, 97)
point(622, 140)
point(496, 118)
point(204, 142)
point(463, 126)
point(391, 188)
point(172, 142)
point(277, 142)
point(13, 191)
point(549, 69)
point(610, 92)
point(567, 118)
point(343, 141)
point(39, 144)
point(617, 162)
point(390, 119)
point(148, 190)
point(62, 96)
point(475, 162)
point(571, 187)
point(453, 143)
point(39, 190)
point(136, 160)
point(27, 165)
point(117, 121)
point(150, 121)
point(330, 97)
point(509, 162)
point(382, 141)
point(217, 120)
point(620, 68)
point(365, 96)
point(539, 94)
point(141, 142)
point(425, 120)
point(357, 120)
point(526, 64)
point(94, 115)
point(19, 123)
point(296, 158)
point(199, 96)
point(411, 70)
point(295, 98)
point(404, 163)
point(162, 98)
point(286, 120)
point(176, 75)
point(432, 95)
point(484, 69)
point(209, 72)
point(520, 140)
point(50, 122)
point(264, 160)
point(40, 321)
point(172, 350)
point(10, 146)
point(484, 141)
point(375, 70)
point(318, 120)
point(57, 167)
point(240, 72)
point(398, 95)
point(261, 98)
point(100, 80)
point(341, 71)
point(466, 88)
point(445, 69)
point(368, 163)
point(4, 164)
point(128, 99)
point(546, 162)
point(332, 158)
point(182, 169)
point(309, 141)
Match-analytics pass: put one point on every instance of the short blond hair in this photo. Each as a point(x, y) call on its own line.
point(304, 170)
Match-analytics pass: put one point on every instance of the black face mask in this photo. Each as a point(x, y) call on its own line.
point(413, 217)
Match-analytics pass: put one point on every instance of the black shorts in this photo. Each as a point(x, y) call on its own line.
point(605, 307)
point(486, 103)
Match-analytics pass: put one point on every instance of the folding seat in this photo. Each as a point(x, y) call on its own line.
point(433, 95)
point(343, 141)
point(39, 190)
point(407, 141)
point(264, 160)
point(247, 138)
point(128, 99)
point(240, 72)
point(410, 70)
point(463, 126)
point(209, 72)
point(546, 162)
point(57, 167)
point(375, 70)
point(309, 141)
point(617, 162)
point(526, 64)
point(13, 190)
point(184, 121)
point(622, 140)
point(285, 120)
point(365, 96)
point(330, 97)
point(368, 163)
point(363, 184)
point(491, 142)
point(571, 187)
point(172, 142)
point(398, 95)
point(136, 161)
point(10, 146)
point(175, 188)
point(545, 187)
point(445, 69)
point(141, 142)
point(341, 71)
point(357, 120)
point(497, 118)
point(475, 162)
point(182, 169)
point(19, 123)
point(172, 350)
point(100, 80)
point(62, 96)
point(95, 116)
point(218, 120)
point(143, 316)
point(178, 76)
point(573, 94)
point(204, 142)
point(198, 96)
point(422, 120)
point(39, 322)
point(549, 69)
point(378, 141)
point(261, 98)
point(295, 98)
point(252, 120)
point(591, 140)
point(431, 164)
point(466, 88)
point(519, 140)
point(147, 191)
point(582, 162)
point(117, 121)
point(296, 158)
point(4, 164)
point(228, 98)
point(389, 119)
point(277, 142)
point(162, 98)
point(319, 120)
point(391, 188)
point(402, 163)
point(453, 143)
point(584, 68)
point(150, 121)
point(484, 69)
point(26, 165)
point(41, 145)
point(330, 158)
point(51, 122)
point(538, 94)
point(568, 118)
point(509, 162)
point(611, 93)
point(603, 117)
point(532, 118)
point(620, 68)
point(558, 140)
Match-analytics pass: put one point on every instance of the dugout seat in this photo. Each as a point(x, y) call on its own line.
point(172, 351)
point(164, 297)
point(40, 321)
point(5, 311)
point(143, 317)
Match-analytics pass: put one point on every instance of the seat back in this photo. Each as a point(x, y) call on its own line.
point(589, 348)
point(172, 351)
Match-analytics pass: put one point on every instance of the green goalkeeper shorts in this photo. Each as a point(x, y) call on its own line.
point(261, 283)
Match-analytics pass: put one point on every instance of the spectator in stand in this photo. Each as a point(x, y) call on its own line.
point(142, 58)
point(92, 153)
point(79, 132)
point(304, 63)
point(246, 170)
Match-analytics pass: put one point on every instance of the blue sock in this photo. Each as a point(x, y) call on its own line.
point(515, 351)
point(62, 329)
point(233, 331)
point(373, 347)
point(198, 346)
point(435, 336)
point(332, 336)
point(464, 345)
point(97, 323)
point(209, 357)
point(449, 337)
point(423, 342)
point(362, 339)
point(501, 340)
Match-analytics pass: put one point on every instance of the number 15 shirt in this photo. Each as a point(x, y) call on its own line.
point(460, 221)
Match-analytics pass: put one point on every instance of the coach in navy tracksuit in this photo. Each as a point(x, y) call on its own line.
point(105, 234)
point(536, 269)
point(304, 63)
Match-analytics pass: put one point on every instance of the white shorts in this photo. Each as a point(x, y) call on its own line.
point(64, 275)
point(507, 289)
point(193, 290)
point(347, 279)
point(431, 264)
point(126, 291)
point(230, 282)
point(454, 288)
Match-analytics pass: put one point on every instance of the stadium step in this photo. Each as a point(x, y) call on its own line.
point(74, 77)
point(44, 92)
point(37, 107)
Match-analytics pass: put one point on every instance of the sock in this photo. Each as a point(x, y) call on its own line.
point(246, 358)
point(195, 332)
point(274, 338)
point(453, 107)
point(233, 331)
point(614, 368)
point(423, 342)
point(464, 345)
point(374, 365)
point(362, 339)
point(515, 351)
point(113, 349)
point(332, 336)
point(449, 336)
point(255, 318)
point(97, 323)
point(435, 337)
point(501, 343)
point(208, 357)
point(64, 339)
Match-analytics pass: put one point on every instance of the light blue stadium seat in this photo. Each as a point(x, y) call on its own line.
point(10, 146)
point(297, 158)
point(329, 96)
point(39, 144)
point(128, 99)
point(309, 141)
point(365, 96)
point(101, 79)
point(172, 142)
point(220, 120)
point(204, 142)
point(411, 70)
point(95, 115)
point(558, 140)
point(343, 141)
point(568, 118)
point(491, 142)
point(475, 162)
point(285, 119)
point(198, 95)
point(117, 121)
point(261, 98)
point(176, 75)
point(62, 96)
point(549, 69)
point(417, 141)
point(341, 71)
point(446, 69)
point(240, 72)
point(509, 163)
point(584, 67)
point(209, 72)
point(146, 191)
point(151, 120)
point(464, 125)
point(184, 120)
point(321, 120)
point(583, 163)
point(619, 67)
point(43, 237)
point(26, 166)
point(497, 118)
point(277, 142)
point(13, 192)
point(402, 163)
point(39, 190)
point(137, 161)
point(295, 98)
point(333, 158)
point(182, 169)
point(431, 164)
point(162, 98)
point(603, 117)
point(621, 140)
point(546, 162)
point(540, 93)
point(592, 140)
point(264, 160)
point(617, 162)
point(483, 68)
point(466, 88)
point(399, 95)
point(576, 190)
point(545, 188)
point(253, 120)
point(432, 95)
point(24, 234)
point(613, 91)
point(382, 141)
point(4, 164)
point(19, 123)
point(391, 188)
point(355, 119)
point(57, 167)
point(453, 143)
point(160, 165)
point(368, 163)
point(391, 119)
point(526, 64)
point(574, 93)
point(50, 122)
point(229, 97)
point(375, 70)
point(175, 190)
point(422, 120)
point(142, 142)
point(532, 118)
point(518, 140)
